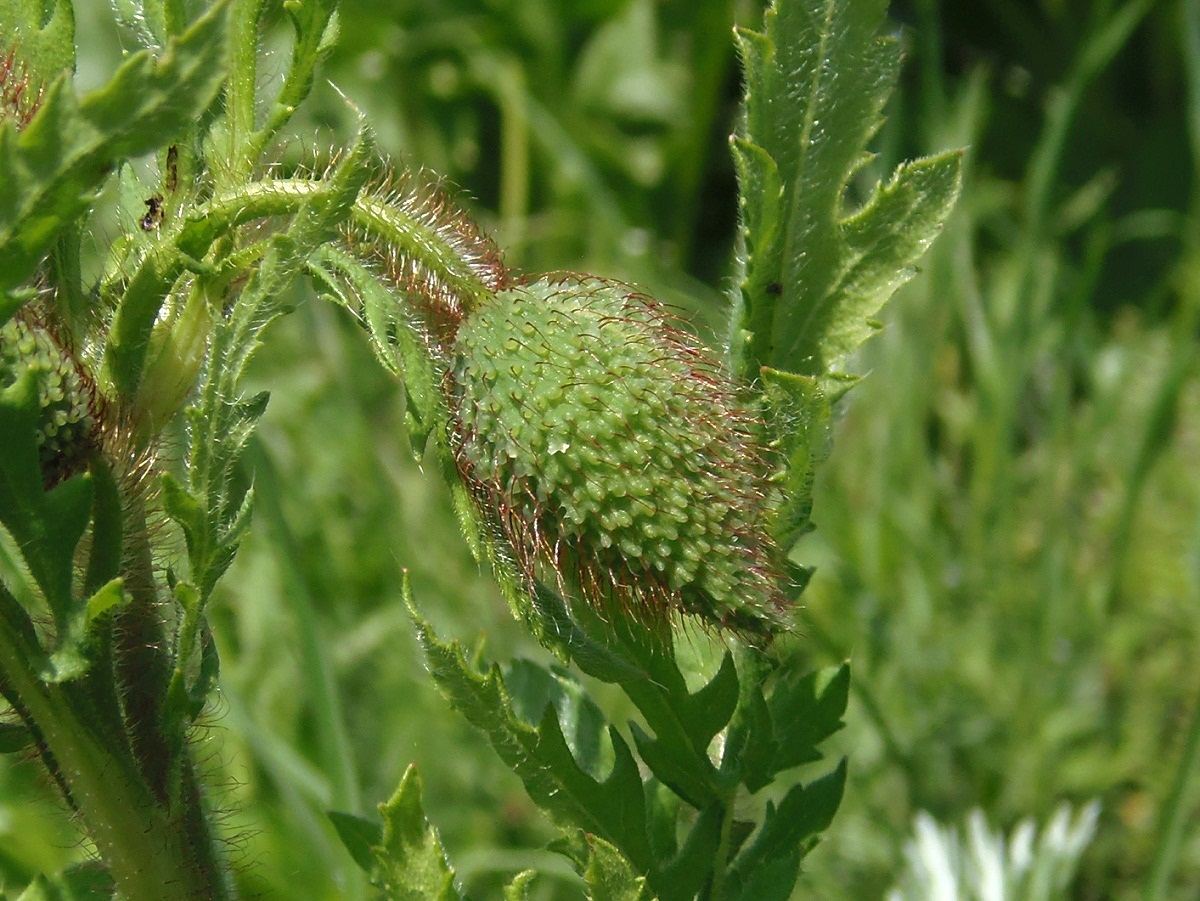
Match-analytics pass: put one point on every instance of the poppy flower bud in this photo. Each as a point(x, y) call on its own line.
point(614, 456)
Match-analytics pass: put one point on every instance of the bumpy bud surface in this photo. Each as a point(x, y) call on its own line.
point(614, 454)
point(67, 422)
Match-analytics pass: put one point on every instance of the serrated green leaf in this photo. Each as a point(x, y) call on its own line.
point(50, 169)
point(72, 656)
point(396, 339)
point(409, 861)
point(534, 688)
point(813, 274)
point(798, 414)
point(214, 509)
point(613, 807)
point(792, 827)
point(882, 242)
point(805, 711)
point(41, 33)
point(684, 723)
point(215, 514)
point(609, 876)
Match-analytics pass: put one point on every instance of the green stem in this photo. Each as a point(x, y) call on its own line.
point(298, 82)
point(149, 856)
point(140, 664)
point(720, 866)
point(240, 90)
point(401, 233)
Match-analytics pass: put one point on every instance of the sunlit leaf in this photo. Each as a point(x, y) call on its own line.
point(814, 271)
point(50, 169)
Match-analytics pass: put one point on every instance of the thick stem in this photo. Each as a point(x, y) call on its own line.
point(150, 852)
point(141, 668)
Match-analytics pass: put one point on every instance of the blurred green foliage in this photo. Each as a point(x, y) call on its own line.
point(1008, 531)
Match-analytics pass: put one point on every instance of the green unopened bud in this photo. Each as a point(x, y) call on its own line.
point(173, 361)
point(614, 455)
point(67, 421)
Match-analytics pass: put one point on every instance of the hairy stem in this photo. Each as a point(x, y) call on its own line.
point(144, 844)
point(140, 662)
point(375, 219)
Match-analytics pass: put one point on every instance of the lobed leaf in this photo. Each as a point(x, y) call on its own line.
point(50, 169)
point(791, 828)
point(214, 507)
point(609, 877)
point(813, 274)
point(684, 723)
point(409, 862)
point(801, 418)
point(613, 808)
point(806, 710)
point(781, 728)
point(41, 35)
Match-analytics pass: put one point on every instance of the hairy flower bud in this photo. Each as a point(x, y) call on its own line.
point(614, 455)
point(67, 421)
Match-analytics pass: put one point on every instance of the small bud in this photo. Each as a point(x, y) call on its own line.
point(614, 455)
point(173, 360)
